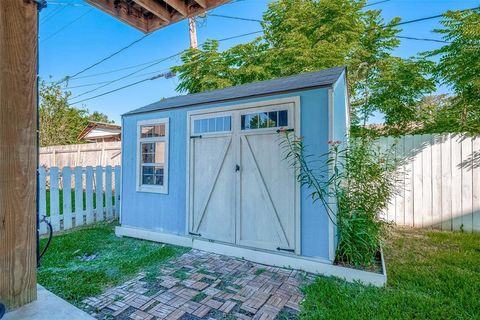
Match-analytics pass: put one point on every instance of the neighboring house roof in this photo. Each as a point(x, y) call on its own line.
point(95, 131)
point(309, 80)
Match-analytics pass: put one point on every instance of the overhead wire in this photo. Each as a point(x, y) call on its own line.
point(118, 89)
point(66, 26)
point(110, 56)
point(422, 39)
point(152, 78)
point(51, 14)
point(153, 63)
point(123, 77)
point(242, 35)
point(104, 59)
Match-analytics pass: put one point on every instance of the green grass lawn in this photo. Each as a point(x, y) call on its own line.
point(63, 271)
point(431, 275)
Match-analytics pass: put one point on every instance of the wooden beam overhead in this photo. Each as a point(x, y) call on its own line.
point(130, 16)
point(202, 3)
point(178, 5)
point(155, 8)
point(150, 15)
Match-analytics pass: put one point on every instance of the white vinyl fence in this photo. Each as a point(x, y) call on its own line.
point(72, 197)
point(441, 187)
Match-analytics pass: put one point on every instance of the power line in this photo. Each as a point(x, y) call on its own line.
point(110, 56)
point(235, 18)
point(66, 26)
point(103, 82)
point(53, 13)
point(423, 39)
point(104, 59)
point(123, 77)
point(118, 89)
point(152, 63)
point(250, 33)
point(431, 17)
point(375, 3)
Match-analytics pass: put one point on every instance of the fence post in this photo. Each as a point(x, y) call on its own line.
point(117, 190)
point(99, 193)
point(108, 191)
point(54, 199)
point(67, 198)
point(42, 199)
point(89, 194)
point(78, 196)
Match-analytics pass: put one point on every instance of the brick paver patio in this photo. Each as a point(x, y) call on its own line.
point(202, 285)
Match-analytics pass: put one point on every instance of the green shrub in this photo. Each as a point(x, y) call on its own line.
point(354, 181)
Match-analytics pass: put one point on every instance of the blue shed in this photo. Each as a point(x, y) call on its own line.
point(206, 170)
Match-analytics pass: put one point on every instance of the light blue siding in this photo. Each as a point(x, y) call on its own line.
point(167, 212)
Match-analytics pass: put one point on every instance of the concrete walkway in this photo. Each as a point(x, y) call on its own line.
point(47, 306)
point(201, 285)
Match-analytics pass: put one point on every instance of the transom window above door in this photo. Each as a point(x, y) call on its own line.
point(212, 125)
point(261, 120)
point(152, 156)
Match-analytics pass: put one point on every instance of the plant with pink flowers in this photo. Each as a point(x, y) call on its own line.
point(354, 182)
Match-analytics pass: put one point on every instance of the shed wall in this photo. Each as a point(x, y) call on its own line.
point(167, 212)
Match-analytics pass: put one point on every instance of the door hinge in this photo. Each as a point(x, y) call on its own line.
point(283, 249)
point(237, 168)
point(195, 234)
point(285, 130)
point(193, 137)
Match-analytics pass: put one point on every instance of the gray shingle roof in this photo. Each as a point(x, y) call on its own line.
point(317, 79)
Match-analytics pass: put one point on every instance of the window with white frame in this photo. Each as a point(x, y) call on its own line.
point(152, 175)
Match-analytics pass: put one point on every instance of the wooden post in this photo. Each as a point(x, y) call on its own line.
point(18, 153)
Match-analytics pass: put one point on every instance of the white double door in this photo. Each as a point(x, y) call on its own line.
point(242, 190)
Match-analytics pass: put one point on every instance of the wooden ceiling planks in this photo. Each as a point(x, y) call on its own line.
point(150, 15)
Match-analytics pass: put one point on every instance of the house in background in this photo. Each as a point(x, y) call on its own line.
point(100, 132)
point(207, 170)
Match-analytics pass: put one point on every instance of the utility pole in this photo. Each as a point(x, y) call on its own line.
point(192, 29)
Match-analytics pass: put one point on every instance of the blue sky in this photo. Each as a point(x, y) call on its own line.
point(75, 37)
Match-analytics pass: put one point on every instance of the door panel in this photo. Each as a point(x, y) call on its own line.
point(253, 204)
point(267, 198)
point(213, 190)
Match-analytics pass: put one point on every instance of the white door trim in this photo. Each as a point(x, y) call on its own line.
point(235, 131)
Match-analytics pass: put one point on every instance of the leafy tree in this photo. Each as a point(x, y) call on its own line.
point(459, 68)
point(60, 123)
point(396, 88)
point(306, 35)
point(99, 117)
point(432, 111)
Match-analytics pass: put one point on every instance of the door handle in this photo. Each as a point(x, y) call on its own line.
point(237, 168)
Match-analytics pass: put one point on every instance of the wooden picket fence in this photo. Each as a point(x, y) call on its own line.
point(441, 182)
point(72, 197)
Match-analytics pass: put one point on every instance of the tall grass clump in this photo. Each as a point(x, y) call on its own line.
point(354, 182)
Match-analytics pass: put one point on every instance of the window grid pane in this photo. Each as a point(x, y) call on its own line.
point(153, 152)
point(212, 125)
point(152, 175)
point(272, 119)
point(152, 131)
